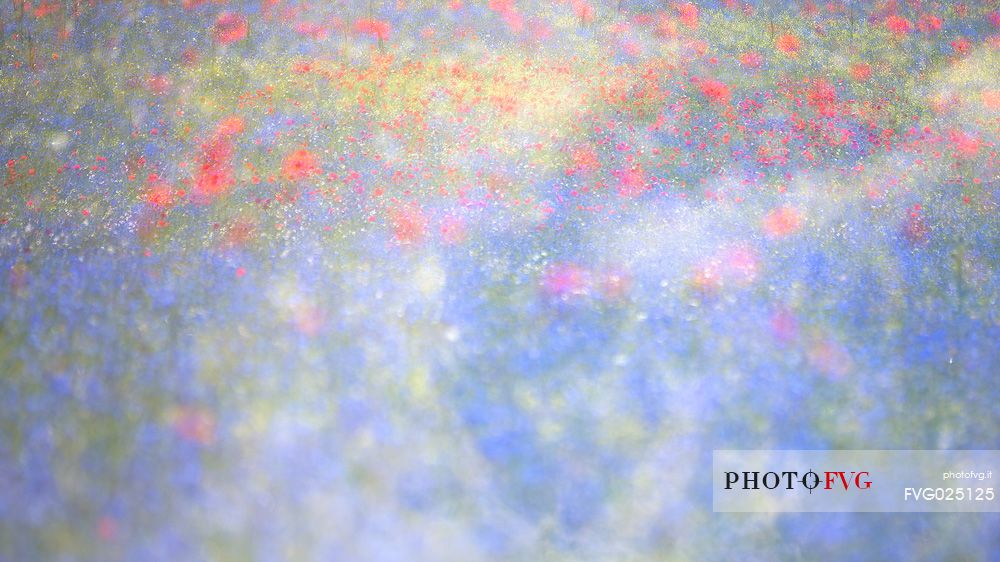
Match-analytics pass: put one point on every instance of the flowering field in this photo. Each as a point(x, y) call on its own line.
point(487, 280)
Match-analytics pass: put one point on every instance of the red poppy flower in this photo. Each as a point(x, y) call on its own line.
point(961, 45)
point(231, 28)
point(929, 24)
point(861, 71)
point(752, 59)
point(300, 164)
point(688, 14)
point(376, 28)
point(782, 221)
point(715, 91)
point(565, 280)
point(213, 180)
point(409, 224)
point(789, 44)
point(232, 125)
point(899, 26)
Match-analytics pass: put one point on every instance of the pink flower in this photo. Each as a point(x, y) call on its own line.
point(631, 182)
point(751, 59)
point(688, 14)
point(788, 44)
point(929, 24)
point(614, 284)
point(453, 230)
point(665, 26)
point(194, 424)
point(961, 45)
point(782, 221)
point(830, 358)
point(158, 192)
point(735, 265)
point(378, 29)
point(565, 280)
point(107, 528)
point(994, 18)
point(899, 26)
point(861, 71)
point(158, 84)
point(299, 165)
point(583, 10)
point(312, 30)
point(230, 126)
point(409, 224)
point(501, 5)
point(213, 180)
point(514, 20)
point(231, 27)
point(784, 325)
point(965, 144)
point(585, 159)
point(823, 97)
point(991, 98)
point(715, 91)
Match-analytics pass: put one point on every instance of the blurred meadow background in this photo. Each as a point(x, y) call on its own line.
point(487, 280)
